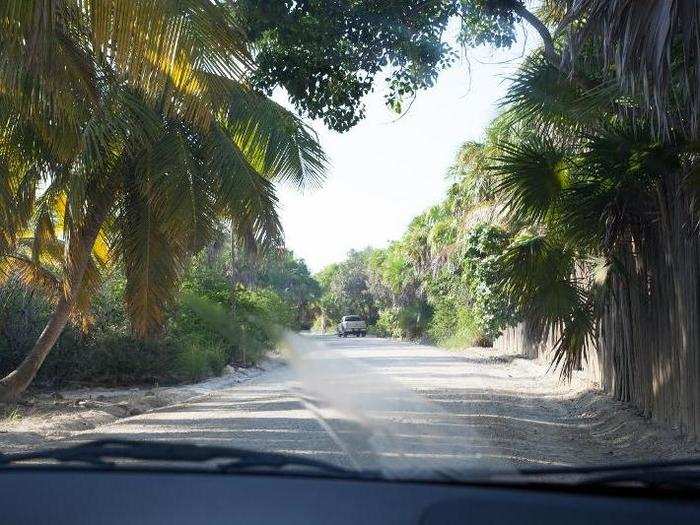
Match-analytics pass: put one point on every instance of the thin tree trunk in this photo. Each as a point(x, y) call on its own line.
point(234, 257)
point(235, 280)
point(17, 381)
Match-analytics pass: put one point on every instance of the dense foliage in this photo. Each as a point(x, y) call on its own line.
point(440, 280)
point(127, 133)
point(346, 290)
point(215, 322)
point(328, 54)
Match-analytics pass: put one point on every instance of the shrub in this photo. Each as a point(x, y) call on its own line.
point(404, 322)
point(388, 323)
point(197, 359)
point(490, 307)
point(120, 359)
point(324, 324)
point(204, 333)
point(320, 324)
point(264, 308)
point(455, 326)
point(246, 324)
point(23, 315)
point(107, 353)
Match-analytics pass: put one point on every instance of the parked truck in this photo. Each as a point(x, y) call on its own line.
point(352, 324)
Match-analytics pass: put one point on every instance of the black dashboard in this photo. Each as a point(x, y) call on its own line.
point(134, 497)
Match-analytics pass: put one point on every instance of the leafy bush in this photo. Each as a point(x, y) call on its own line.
point(323, 324)
point(263, 307)
point(407, 322)
point(439, 279)
point(117, 359)
point(388, 323)
point(492, 311)
point(196, 359)
point(245, 323)
point(346, 288)
point(101, 356)
point(243, 337)
point(214, 327)
point(23, 315)
point(455, 326)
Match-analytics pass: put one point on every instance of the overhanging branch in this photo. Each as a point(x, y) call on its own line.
point(550, 51)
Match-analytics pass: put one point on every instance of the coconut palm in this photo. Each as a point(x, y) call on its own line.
point(130, 146)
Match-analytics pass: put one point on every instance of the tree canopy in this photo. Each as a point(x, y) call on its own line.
point(327, 55)
point(127, 132)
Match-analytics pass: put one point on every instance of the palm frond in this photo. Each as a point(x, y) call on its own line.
point(530, 176)
point(244, 194)
point(277, 143)
point(613, 187)
point(31, 274)
point(17, 188)
point(540, 277)
point(540, 96)
point(152, 261)
point(178, 190)
point(141, 103)
point(654, 47)
point(578, 336)
point(124, 122)
point(55, 45)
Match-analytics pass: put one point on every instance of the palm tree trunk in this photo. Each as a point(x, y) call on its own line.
point(17, 381)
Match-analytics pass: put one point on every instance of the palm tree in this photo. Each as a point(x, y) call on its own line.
point(654, 47)
point(606, 257)
point(128, 133)
point(578, 183)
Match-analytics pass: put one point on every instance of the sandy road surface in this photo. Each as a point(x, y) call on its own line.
point(376, 403)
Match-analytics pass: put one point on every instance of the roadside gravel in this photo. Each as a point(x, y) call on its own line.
point(39, 418)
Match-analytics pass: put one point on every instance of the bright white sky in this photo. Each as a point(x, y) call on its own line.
point(386, 171)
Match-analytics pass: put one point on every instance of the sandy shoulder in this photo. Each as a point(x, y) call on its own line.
point(42, 417)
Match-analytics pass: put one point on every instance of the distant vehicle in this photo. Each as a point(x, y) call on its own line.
point(352, 324)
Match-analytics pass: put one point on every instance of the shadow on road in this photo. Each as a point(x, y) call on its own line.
point(378, 404)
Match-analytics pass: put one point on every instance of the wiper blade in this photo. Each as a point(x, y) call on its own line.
point(99, 452)
point(678, 473)
point(670, 464)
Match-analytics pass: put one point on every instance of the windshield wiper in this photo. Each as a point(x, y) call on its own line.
point(673, 474)
point(99, 453)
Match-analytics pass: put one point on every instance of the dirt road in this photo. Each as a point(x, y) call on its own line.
point(370, 403)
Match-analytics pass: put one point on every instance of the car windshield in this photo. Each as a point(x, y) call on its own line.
point(194, 196)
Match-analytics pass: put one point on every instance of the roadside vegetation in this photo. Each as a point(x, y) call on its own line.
point(576, 217)
point(438, 282)
point(122, 152)
point(216, 320)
